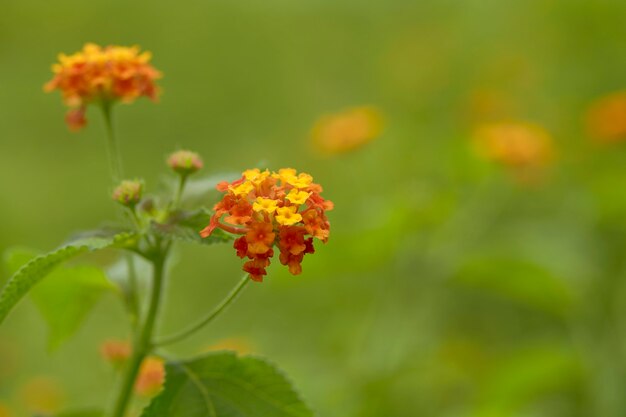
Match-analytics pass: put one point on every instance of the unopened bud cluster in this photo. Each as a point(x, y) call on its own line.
point(185, 162)
point(128, 193)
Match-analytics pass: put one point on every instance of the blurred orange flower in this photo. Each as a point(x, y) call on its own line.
point(514, 145)
point(151, 377)
point(347, 130)
point(281, 208)
point(42, 395)
point(606, 118)
point(115, 352)
point(104, 75)
point(523, 148)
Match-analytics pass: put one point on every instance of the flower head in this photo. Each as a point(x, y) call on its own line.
point(102, 74)
point(606, 118)
point(185, 162)
point(128, 193)
point(348, 130)
point(281, 209)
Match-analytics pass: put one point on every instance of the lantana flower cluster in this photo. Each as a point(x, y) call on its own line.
point(102, 74)
point(268, 209)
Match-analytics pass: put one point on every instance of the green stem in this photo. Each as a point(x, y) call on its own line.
point(209, 318)
point(179, 191)
point(143, 342)
point(132, 291)
point(115, 164)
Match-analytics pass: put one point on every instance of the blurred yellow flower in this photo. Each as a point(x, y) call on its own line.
point(241, 345)
point(347, 130)
point(4, 411)
point(102, 74)
point(151, 377)
point(42, 395)
point(514, 145)
point(606, 118)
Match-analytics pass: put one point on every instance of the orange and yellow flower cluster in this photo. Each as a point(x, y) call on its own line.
point(98, 74)
point(283, 209)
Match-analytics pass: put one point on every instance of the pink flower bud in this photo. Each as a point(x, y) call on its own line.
point(184, 162)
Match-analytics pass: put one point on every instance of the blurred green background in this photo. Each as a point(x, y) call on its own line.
point(446, 289)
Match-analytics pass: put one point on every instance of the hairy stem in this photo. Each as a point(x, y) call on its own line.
point(209, 318)
point(115, 164)
point(143, 342)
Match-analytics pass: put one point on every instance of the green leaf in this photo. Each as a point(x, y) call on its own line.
point(186, 225)
point(15, 258)
point(65, 298)
point(224, 385)
point(39, 267)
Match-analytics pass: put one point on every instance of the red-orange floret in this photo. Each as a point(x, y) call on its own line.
point(260, 238)
point(271, 209)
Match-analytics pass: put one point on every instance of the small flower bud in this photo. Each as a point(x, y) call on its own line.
point(75, 119)
point(151, 377)
point(128, 193)
point(116, 352)
point(185, 162)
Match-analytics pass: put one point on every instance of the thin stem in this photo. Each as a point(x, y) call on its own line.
point(179, 191)
point(233, 229)
point(132, 291)
point(209, 318)
point(143, 342)
point(115, 164)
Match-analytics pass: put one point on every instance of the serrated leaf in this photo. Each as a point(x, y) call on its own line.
point(36, 269)
point(224, 385)
point(186, 226)
point(65, 298)
point(67, 295)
